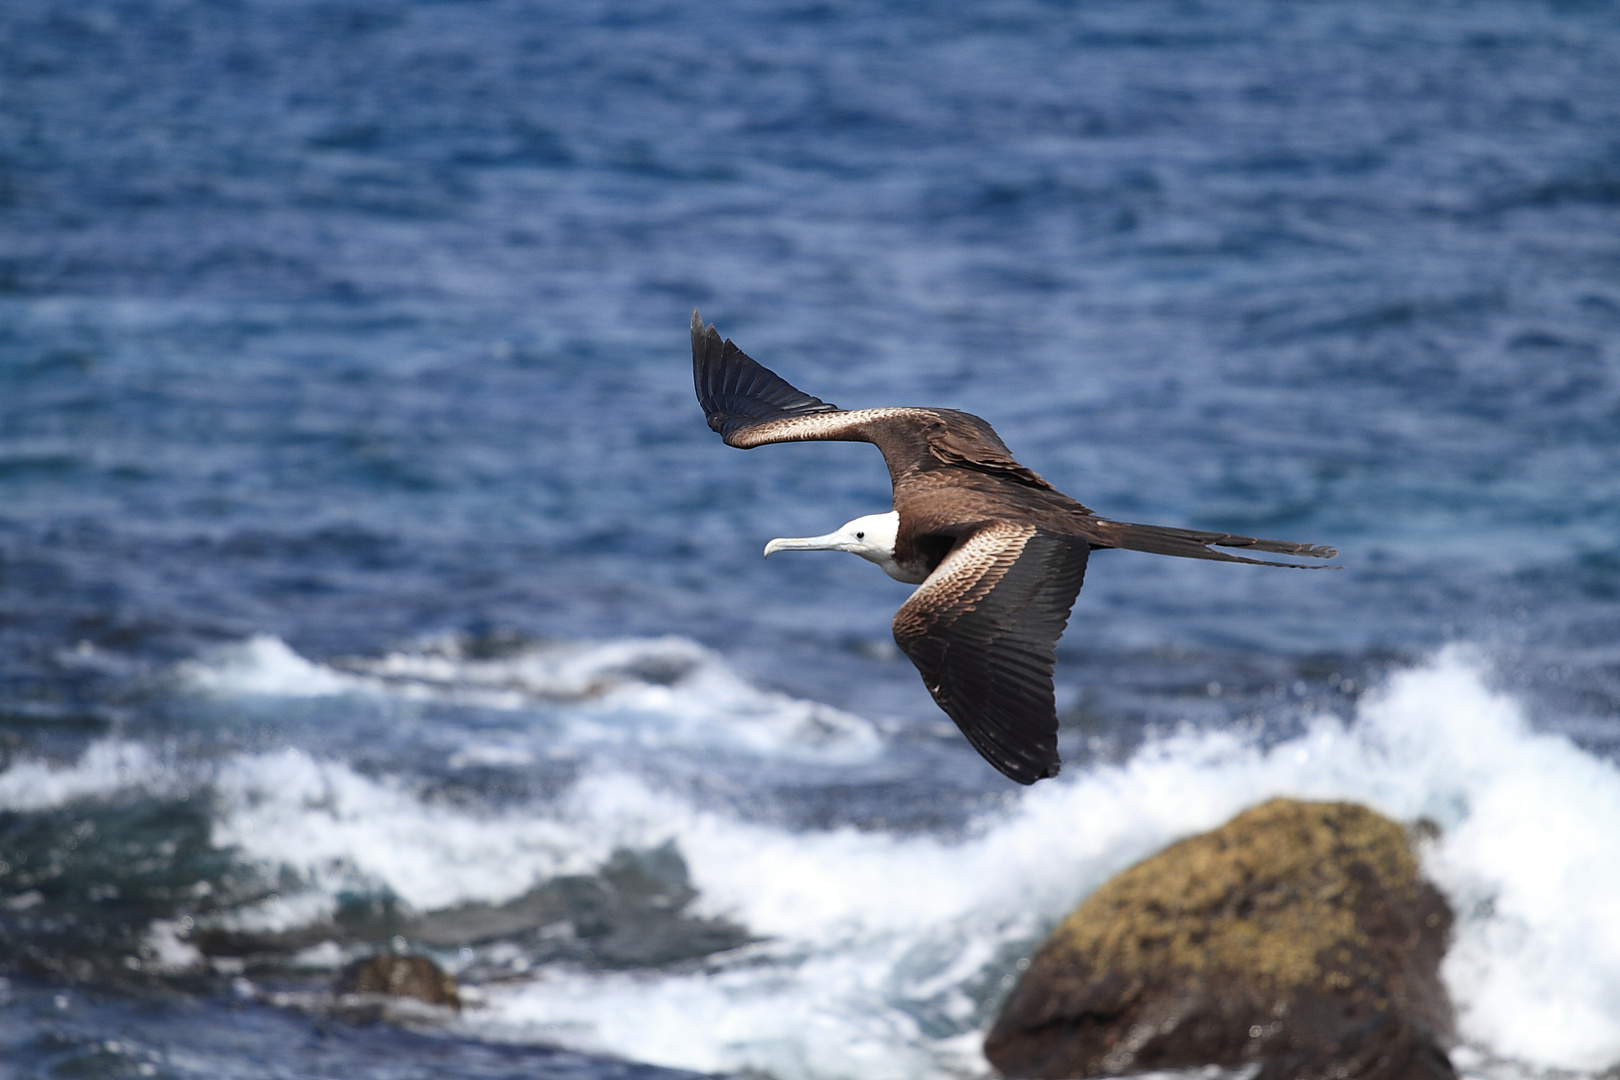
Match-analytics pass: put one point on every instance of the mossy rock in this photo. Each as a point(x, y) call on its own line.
point(1298, 935)
point(400, 977)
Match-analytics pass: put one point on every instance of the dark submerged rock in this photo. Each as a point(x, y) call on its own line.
point(1298, 935)
point(402, 977)
point(634, 912)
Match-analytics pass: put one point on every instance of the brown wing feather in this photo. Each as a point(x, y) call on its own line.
point(983, 632)
point(750, 405)
point(1196, 544)
point(959, 438)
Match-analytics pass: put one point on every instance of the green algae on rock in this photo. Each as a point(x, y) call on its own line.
point(1299, 935)
point(401, 977)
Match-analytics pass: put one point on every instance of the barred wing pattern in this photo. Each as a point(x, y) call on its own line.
point(983, 632)
point(983, 628)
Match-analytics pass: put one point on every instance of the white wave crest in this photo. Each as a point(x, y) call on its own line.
point(107, 767)
point(264, 664)
point(340, 830)
point(649, 693)
point(880, 950)
point(881, 945)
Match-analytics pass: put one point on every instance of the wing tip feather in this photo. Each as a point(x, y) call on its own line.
point(735, 391)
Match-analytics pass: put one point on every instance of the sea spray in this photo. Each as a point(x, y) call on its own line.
point(1527, 823)
point(878, 953)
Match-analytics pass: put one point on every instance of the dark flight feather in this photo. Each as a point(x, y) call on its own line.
point(1004, 552)
point(960, 438)
point(983, 632)
point(1197, 544)
point(735, 391)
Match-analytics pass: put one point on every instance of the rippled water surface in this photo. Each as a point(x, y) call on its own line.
point(370, 580)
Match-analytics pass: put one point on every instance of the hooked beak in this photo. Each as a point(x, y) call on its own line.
point(830, 542)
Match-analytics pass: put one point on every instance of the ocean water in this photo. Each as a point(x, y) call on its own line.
point(369, 579)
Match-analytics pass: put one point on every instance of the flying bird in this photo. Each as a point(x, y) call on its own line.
point(997, 553)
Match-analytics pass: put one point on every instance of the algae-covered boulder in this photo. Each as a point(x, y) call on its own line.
point(401, 977)
point(1299, 935)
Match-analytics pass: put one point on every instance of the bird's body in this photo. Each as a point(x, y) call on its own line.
point(998, 553)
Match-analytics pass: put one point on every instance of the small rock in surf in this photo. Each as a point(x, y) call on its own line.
point(400, 976)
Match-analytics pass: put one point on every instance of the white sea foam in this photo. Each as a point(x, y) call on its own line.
point(107, 767)
point(879, 943)
point(646, 693)
point(879, 950)
point(340, 830)
point(169, 952)
point(264, 664)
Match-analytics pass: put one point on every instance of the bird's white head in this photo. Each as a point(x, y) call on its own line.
point(871, 537)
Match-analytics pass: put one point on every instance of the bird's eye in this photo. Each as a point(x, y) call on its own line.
point(860, 536)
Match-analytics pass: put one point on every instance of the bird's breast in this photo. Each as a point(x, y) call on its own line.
point(912, 573)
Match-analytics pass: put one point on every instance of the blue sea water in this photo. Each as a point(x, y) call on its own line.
point(370, 580)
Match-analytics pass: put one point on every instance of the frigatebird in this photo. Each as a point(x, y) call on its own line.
point(997, 553)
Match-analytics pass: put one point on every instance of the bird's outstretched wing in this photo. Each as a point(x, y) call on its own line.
point(983, 632)
point(736, 392)
point(750, 405)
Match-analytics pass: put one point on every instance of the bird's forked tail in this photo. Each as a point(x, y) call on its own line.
point(1198, 544)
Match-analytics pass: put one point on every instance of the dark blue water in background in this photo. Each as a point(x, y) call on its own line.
point(361, 327)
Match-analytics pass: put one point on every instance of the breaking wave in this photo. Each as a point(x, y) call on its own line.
point(652, 693)
point(107, 767)
point(879, 954)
